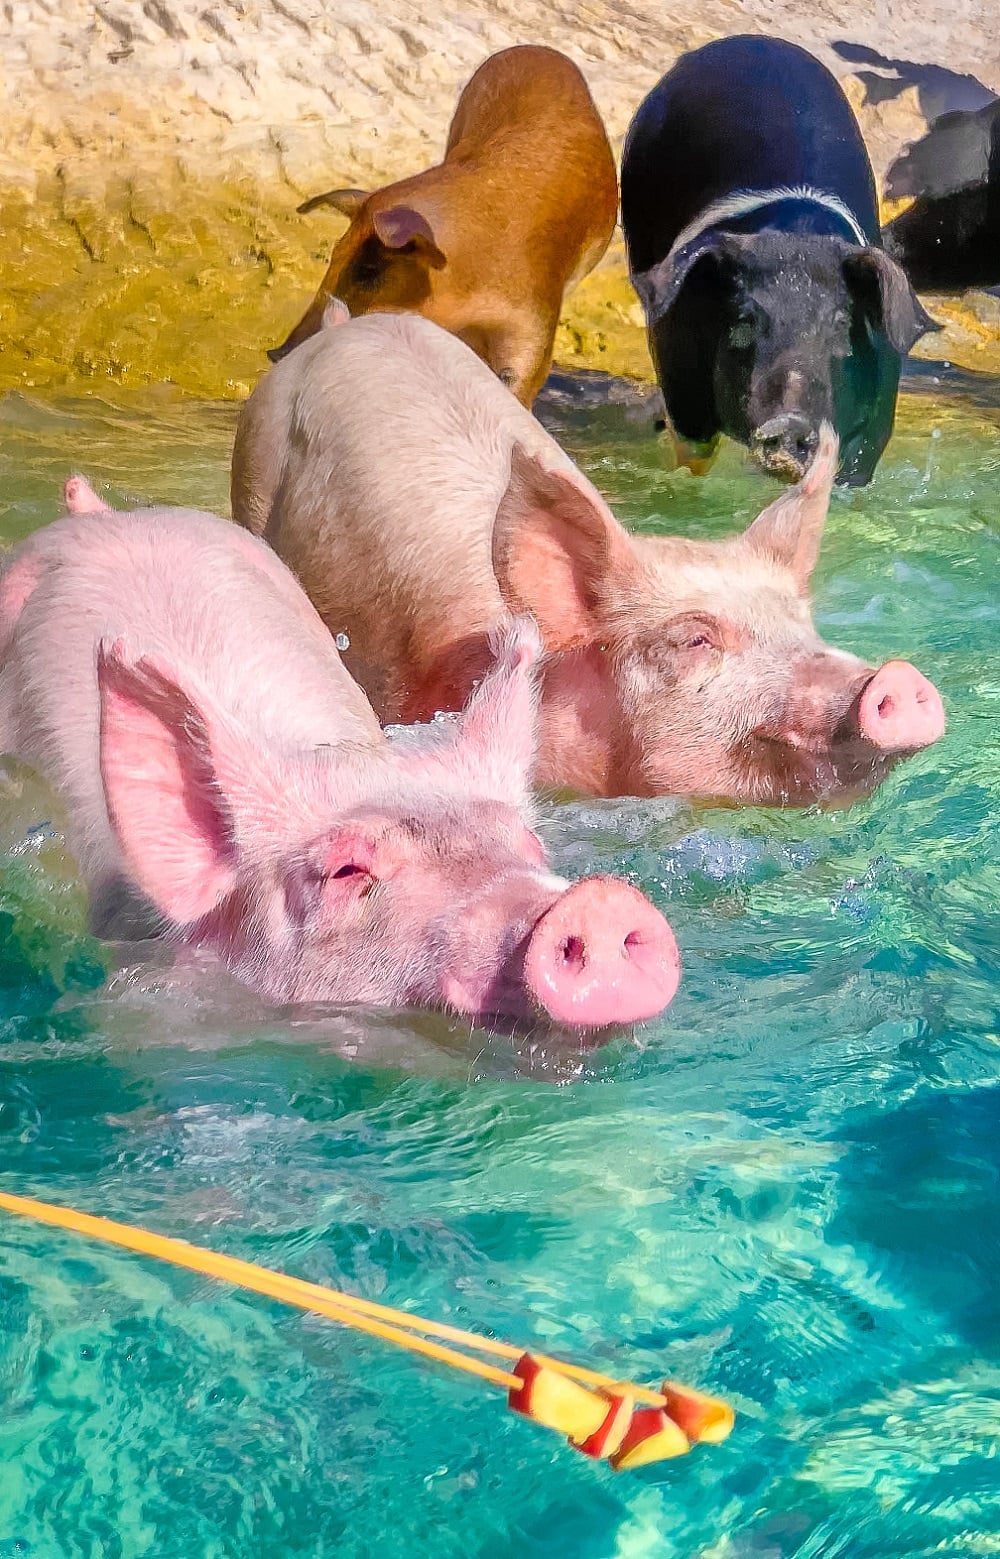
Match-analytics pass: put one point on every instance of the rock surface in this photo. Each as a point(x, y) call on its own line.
point(152, 152)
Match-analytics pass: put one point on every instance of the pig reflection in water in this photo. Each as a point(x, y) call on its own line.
point(170, 679)
point(420, 505)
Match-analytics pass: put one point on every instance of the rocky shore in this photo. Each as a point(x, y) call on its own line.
point(152, 153)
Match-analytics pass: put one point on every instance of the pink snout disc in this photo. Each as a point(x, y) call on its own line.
point(900, 711)
point(602, 955)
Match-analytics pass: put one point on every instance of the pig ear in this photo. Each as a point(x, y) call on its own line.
point(886, 293)
point(335, 312)
point(166, 805)
point(659, 287)
point(401, 226)
point(348, 201)
point(79, 497)
point(497, 736)
point(790, 529)
point(556, 550)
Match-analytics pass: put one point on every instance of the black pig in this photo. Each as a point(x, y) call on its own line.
point(950, 237)
point(749, 209)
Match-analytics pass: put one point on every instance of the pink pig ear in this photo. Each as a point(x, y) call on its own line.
point(497, 738)
point(167, 808)
point(790, 530)
point(79, 497)
point(558, 551)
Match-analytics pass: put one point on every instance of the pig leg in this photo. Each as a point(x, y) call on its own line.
point(519, 353)
point(698, 458)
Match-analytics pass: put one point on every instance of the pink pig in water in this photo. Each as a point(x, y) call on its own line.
point(168, 675)
point(419, 504)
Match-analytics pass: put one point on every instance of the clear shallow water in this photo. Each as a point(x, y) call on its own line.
point(785, 1191)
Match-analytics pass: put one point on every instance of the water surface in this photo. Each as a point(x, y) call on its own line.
point(785, 1191)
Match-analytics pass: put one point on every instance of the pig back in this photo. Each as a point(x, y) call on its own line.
point(190, 590)
point(394, 454)
point(740, 114)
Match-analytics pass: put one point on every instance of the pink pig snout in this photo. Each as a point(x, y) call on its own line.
point(600, 955)
point(899, 710)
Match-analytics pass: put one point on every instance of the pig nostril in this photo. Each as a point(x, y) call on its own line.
point(573, 952)
point(886, 708)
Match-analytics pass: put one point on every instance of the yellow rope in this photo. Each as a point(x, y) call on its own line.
point(626, 1441)
point(245, 1275)
point(348, 1309)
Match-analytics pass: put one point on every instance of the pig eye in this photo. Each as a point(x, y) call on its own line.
point(695, 633)
point(369, 266)
point(367, 275)
point(350, 878)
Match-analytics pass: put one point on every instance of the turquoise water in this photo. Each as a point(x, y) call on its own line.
point(785, 1191)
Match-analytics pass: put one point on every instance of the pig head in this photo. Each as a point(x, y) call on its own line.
point(382, 876)
point(765, 335)
point(694, 667)
point(386, 258)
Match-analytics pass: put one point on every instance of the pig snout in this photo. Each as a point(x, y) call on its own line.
point(900, 710)
point(785, 444)
point(601, 955)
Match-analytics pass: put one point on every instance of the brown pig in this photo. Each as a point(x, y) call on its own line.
point(419, 504)
point(486, 243)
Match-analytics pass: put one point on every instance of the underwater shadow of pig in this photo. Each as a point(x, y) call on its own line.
point(919, 1190)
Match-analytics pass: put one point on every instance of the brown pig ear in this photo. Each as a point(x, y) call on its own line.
point(349, 201)
point(790, 529)
point(400, 226)
point(557, 548)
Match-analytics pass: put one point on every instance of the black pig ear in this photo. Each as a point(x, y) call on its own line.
point(883, 287)
point(659, 287)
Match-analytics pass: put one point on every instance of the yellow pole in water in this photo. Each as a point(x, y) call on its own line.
point(261, 1280)
point(599, 1425)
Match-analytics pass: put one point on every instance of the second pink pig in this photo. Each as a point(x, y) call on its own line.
point(421, 505)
